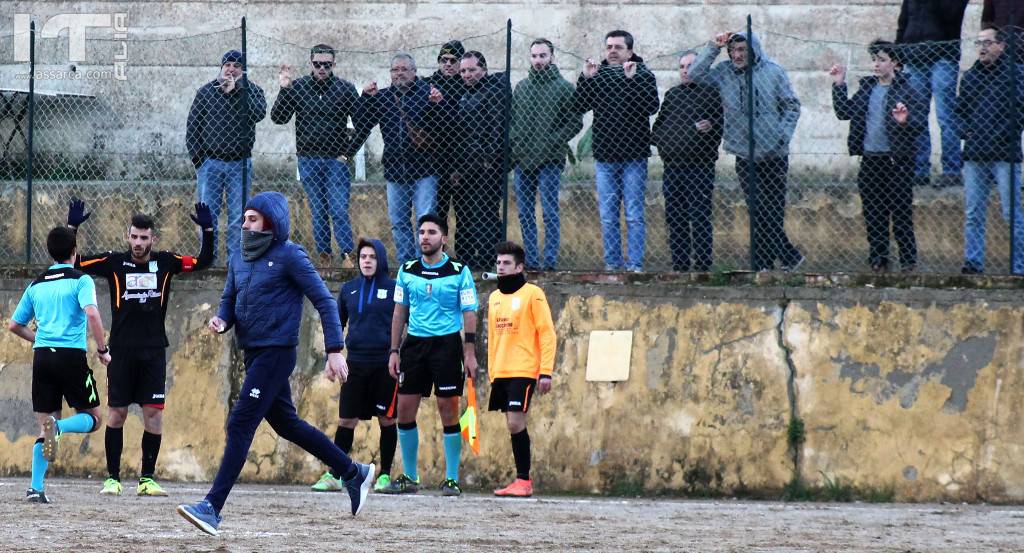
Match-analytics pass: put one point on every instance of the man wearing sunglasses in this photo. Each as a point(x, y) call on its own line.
point(322, 104)
point(219, 136)
point(448, 81)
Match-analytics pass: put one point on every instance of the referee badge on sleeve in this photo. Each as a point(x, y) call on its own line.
point(399, 294)
point(467, 297)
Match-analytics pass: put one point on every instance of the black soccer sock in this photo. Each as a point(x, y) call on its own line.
point(150, 451)
point(521, 453)
point(343, 438)
point(388, 444)
point(113, 443)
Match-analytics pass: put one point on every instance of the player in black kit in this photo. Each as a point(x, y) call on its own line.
point(140, 285)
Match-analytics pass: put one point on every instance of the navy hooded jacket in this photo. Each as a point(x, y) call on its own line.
point(366, 305)
point(262, 298)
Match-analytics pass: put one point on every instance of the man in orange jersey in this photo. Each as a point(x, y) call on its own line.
point(520, 355)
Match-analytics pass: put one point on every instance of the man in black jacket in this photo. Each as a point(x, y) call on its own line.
point(219, 136)
point(931, 60)
point(477, 178)
point(623, 94)
point(447, 80)
point(687, 133)
point(322, 104)
point(991, 121)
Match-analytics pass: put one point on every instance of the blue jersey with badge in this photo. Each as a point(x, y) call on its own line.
point(437, 295)
point(57, 301)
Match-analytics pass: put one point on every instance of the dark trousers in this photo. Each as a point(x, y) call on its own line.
point(767, 202)
point(266, 394)
point(887, 197)
point(476, 201)
point(688, 189)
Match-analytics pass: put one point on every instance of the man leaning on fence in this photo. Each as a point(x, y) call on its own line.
point(478, 177)
point(776, 112)
point(220, 133)
point(544, 120)
point(322, 104)
point(623, 94)
point(449, 82)
point(404, 112)
point(687, 133)
point(991, 120)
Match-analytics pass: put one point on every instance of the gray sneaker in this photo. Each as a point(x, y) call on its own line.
point(450, 488)
point(359, 486)
point(402, 484)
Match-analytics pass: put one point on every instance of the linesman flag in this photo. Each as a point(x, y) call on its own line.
point(468, 421)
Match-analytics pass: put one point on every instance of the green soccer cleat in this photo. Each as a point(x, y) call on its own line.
point(402, 484)
point(328, 483)
point(450, 488)
point(383, 481)
point(111, 487)
point(148, 486)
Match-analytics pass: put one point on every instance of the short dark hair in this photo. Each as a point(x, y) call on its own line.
point(621, 34)
point(476, 55)
point(321, 49)
point(545, 42)
point(436, 219)
point(1002, 33)
point(60, 242)
point(513, 249)
point(365, 243)
point(142, 221)
point(886, 47)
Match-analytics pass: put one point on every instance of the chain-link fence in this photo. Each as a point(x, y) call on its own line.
point(604, 161)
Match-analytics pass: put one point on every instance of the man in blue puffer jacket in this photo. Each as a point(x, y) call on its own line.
point(366, 305)
point(262, 299)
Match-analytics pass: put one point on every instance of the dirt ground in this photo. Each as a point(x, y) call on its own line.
point(289, 518)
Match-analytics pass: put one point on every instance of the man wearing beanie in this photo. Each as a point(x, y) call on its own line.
point(520, 355)
point(447, 80)
point(220, 133)
point(262, 299)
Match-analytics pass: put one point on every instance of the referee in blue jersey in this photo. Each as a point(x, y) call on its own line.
point(62, 300)
point(436, 296)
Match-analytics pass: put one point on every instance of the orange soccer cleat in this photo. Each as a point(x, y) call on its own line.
point(518, 488)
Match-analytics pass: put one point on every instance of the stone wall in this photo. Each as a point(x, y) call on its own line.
point(908, 388)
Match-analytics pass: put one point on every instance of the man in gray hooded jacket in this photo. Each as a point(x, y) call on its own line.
point(776, 111)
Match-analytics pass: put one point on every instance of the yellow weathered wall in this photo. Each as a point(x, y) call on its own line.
point(916, 390)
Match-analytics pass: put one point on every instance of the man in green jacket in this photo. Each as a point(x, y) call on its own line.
point(544, 120)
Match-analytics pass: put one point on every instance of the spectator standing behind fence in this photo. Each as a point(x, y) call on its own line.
point(887, 115)
point(219, 136)
point(544, 120)
point(405, 112)
point(930, 29)
point(322, 104)
point(449, 82)
point(478, 177)
point(623, 94)
point(776, 112)
point(687, 133)
point(991, 127)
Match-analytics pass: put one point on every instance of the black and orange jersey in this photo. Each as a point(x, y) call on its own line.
point(139, 292)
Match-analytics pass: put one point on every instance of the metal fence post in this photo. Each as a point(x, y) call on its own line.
point(1014, 167)
point(31, 125)
point(245, 162)
point(752, 193)
point(506, 157)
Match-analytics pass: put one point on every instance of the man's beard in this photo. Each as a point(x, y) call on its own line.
point(144, 253)
point(430, 252)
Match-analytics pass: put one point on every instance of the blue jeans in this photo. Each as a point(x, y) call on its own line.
point(421, 196)
point(622, 182)
point(547, 180)
point(938, 80)
point(217, 178)
point(979, 177)
point(327, 185)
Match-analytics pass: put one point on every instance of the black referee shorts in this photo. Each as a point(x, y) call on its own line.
point(62, 374)
point(432, 363)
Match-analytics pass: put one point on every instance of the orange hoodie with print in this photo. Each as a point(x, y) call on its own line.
point(520, 334)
